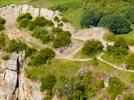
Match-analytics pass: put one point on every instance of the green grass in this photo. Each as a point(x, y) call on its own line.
point(57, 67)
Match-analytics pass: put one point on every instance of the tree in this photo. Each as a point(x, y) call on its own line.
point(116, 24)
point(24, 16)
point(42, 56)
point(115, 87)
point(92, 47)
point(90, 18)
point(48, 82)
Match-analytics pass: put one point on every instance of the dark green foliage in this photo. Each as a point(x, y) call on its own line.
point(92, 47)
point(41, 34)
point(31, 25)
point(23, 16)
point(2, 21)
point(56, 19)
point(115, 87)
point(48, 82)
point(79, 88)
point(41, 21)
point(115, 23)
point(64, 20)
point(16, 46)
point(130, 61)
point(29, 51)
point(24, 23)
point(60, 8)
point(56, 30)
point(2, 27)
point(90, 18)
point(129, 96)
point(119, 50)
point(43, 56)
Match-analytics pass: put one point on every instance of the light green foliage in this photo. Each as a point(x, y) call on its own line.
point(41, 34)
point(130, 61)
point(92, 47)
point(61, 38)
point(24, 22)
point(129, 96)
point(119, 50)
point(115, 87)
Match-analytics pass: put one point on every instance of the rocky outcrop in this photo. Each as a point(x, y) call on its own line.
point(13, 83)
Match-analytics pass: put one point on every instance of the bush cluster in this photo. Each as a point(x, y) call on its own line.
point(41, 34)
point(119, 49)
point(61, 38)
point(16, 46)
point(24, 16)
point(92, 47)
point(130, 61)
point(115, 23)
point(115, 87)
point(2, 22)
point(43, 56)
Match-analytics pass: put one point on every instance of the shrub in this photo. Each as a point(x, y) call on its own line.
point(48, 82)
point(24, 23)
point(2, 27)
point(43, 56)
point(56, 19)
point(41, 34)
point(5, 57)
point(115, 87)
point(2, 40)
point(130, 61)
point(23, 16)
point(90, 18)
point(92, 47)
point(116, 24)
point(64, 20)
point(31, 25)
point(119, 50)
point(29, 51)
point(129, 96)
point(56, 30)
point(41, 21)
point(130, 15)
point(61, 40)
point(16, 46)
point(2, 21)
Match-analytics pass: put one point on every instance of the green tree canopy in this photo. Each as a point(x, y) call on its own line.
point(90, 18)
point(115, 23)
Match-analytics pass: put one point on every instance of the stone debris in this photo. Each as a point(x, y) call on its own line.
point(27, 90)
